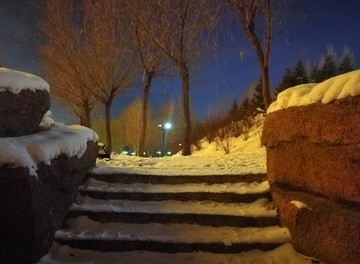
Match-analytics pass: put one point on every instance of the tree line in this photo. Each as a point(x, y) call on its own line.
point(125, 128)
point(241, 114)
point(328, 66)
point(94, 50)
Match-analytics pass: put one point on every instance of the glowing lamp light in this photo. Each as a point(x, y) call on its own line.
point(167, 126)
point(164, 127)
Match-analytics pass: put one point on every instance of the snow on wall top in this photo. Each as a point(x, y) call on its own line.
point(28, 151)
point(16, 81)
point(338, 87)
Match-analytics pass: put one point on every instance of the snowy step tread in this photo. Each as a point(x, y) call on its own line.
point(238, 188)
point(177, 179)
point(65, 254)
point(260, 208)
point(200, 219)
point(83, 228)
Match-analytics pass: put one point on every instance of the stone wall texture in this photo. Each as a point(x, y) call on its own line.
point(22, 113)
point(32, 209)
point(313, 156)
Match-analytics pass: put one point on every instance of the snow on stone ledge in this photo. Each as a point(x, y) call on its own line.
point(28, 151)
point(300, 205)
point(16, 81)
point(338, 87)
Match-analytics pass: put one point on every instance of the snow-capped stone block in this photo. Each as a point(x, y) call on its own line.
point(316, 148)
point(33, 208)
point(40, 171)
point(312, 139)
point(24, 99)
point(39, 176)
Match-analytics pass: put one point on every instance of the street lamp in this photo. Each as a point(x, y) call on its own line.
point(164, 128)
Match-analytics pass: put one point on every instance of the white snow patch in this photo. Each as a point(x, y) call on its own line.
point(16, 81)
point(335, 88)
point(300, 205)
point(28, 151)
point(47, 120)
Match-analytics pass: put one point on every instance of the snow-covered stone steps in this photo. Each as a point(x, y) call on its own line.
point(200, 219)
point(85, 233)
point(108, 245)
point(65, 254)
point(260, 207)
point(178, 196)
point(245, 192)
point(173, 214)
point(178, 179)
point(258, 213)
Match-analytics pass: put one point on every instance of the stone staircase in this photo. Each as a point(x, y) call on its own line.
point(154, 217)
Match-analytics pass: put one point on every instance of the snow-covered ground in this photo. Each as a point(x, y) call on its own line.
point(246, 157)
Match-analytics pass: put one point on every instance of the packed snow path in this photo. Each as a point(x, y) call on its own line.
point(124, 218)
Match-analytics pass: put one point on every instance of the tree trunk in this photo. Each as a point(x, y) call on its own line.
point(107, 125)
point(147, 86)
point(82, 121)
point(184, 73)
point(85, 120)
point(265, 79)
point(263, 54)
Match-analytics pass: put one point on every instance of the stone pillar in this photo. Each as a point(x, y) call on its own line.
point(33, 208)
point(313, 165)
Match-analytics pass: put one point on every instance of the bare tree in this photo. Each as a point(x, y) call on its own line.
point(95, 46)
point(130, 118)
point(223, 138)
point(152, 61)
point(127, 127)
point(179, 28)
point(75, 95)
point(109, 55)
point(246, 13)
point(59, 50)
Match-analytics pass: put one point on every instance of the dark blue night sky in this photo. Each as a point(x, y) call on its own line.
point(307, 27)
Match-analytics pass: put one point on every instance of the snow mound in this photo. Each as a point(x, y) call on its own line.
point(42, 147)
point(338, 87)
point(47, 120)
point(16, 81)
point(237, 145)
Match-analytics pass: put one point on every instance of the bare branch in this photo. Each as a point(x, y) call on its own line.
point(245, 12)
